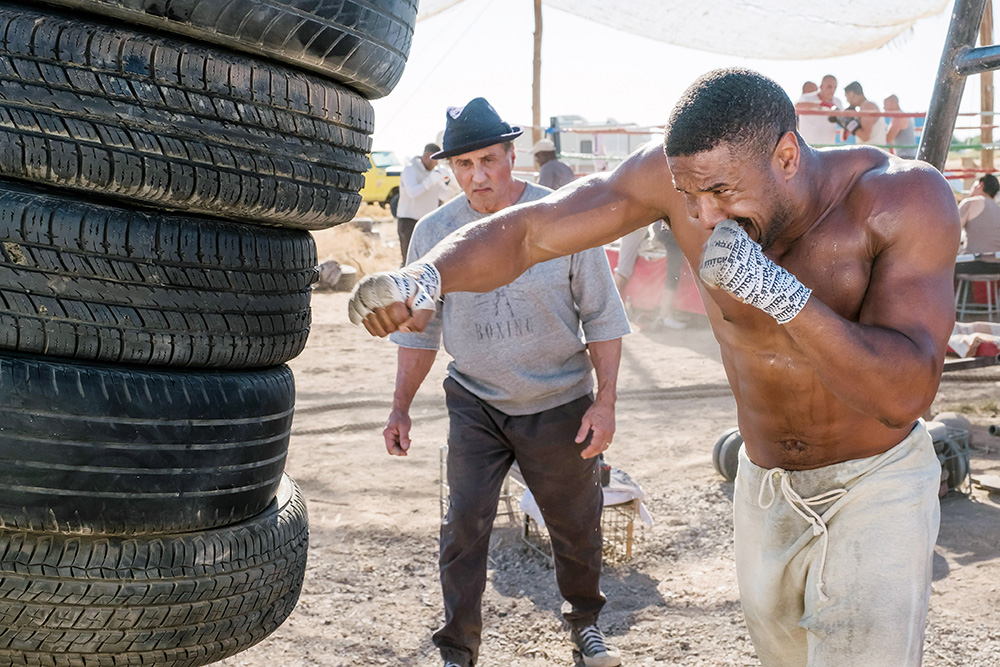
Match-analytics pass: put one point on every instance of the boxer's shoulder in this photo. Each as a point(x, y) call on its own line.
point(888, 192)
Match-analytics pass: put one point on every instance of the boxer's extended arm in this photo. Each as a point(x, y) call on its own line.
point(595, 210)
point(494, 251)
point(888, 364)
point(606, 356)
point(412, 367)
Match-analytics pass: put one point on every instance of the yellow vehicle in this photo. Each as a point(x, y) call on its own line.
point(382, 179)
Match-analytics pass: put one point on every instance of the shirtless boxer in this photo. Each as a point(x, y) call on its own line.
point(827, 277)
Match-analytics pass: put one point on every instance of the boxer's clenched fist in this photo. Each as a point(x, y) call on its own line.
point(417, 286)
point(732, 261)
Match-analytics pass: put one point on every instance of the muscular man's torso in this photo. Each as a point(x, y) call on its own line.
point(787, 416)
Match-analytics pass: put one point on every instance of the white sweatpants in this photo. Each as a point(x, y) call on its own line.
point(834, 564)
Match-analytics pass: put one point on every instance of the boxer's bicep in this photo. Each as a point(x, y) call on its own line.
point(602, 207)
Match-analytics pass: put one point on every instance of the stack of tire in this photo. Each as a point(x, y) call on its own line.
point(160, 163)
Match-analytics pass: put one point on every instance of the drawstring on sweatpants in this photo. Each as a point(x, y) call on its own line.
point(803, 507)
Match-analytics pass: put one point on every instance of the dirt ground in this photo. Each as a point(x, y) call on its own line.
point(371, 594)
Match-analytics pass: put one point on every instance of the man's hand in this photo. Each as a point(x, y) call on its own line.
point(599, 421)
point(403, 300)
point(732, 261)
point(397, 432)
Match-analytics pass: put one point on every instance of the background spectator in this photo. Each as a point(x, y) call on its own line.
point(552, 173)
point(817, 130)
point(980, 216)
point(422, 187)
point(869, 130)
point(900, 135)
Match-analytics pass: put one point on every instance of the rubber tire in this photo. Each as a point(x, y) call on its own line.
point(726, 454)
point(149, 121)
point(181, 600)
point(113, 450)
point(362, 44)
point(98, 283)
point(717, 448)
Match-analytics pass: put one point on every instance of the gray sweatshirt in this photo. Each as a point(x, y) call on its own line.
point(521, 347)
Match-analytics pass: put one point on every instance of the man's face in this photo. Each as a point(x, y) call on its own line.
point(853, 99)
point(428, 162)
point(719, 185)
point(485, 176)
point(827, 88)
point(890, 103)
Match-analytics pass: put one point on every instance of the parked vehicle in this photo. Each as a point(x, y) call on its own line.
point(382, 179)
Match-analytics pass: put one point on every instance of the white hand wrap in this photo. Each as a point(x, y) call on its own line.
point(735, 263)
point(416, 285)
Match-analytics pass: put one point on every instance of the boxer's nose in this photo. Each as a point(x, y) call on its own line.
point(704, 208)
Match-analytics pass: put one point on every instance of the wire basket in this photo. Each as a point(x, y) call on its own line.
point(617, 530)
point(617, 521)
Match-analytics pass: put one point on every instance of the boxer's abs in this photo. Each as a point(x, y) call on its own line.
point(789, 419)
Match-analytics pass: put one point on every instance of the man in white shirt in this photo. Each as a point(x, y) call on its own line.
point(815, 129)
point(422, 187)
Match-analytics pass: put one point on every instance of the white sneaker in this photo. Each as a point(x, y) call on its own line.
point(596, 652)
point(671, 323)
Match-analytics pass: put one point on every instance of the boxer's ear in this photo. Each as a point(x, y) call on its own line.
point(786, 155)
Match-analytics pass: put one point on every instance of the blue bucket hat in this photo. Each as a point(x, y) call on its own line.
point(474, 126)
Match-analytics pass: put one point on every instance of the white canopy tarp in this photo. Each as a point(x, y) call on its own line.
point(775, 29)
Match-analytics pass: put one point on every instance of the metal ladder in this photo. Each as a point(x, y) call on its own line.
point(961, 57)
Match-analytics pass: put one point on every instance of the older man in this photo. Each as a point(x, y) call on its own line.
point(519, 388)
point(827, 277)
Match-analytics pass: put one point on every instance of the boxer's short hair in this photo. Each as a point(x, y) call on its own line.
point(734, 106)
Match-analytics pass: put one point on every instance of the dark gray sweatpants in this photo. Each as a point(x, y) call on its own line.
point(482, 444)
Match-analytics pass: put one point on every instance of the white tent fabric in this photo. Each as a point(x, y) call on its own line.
point(776, 29)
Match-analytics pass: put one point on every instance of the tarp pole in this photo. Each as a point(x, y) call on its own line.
point(536, 82)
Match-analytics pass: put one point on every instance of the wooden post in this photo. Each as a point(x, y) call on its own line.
point(986, 90)
point(536, 82)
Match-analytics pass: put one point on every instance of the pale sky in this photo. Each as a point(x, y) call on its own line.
point(484, 48)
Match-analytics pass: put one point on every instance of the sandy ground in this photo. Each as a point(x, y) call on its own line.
point(371, 594)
